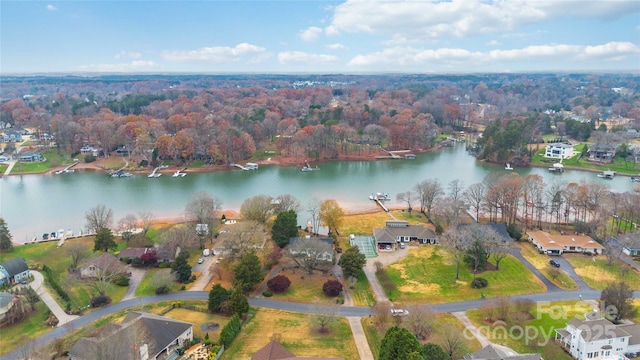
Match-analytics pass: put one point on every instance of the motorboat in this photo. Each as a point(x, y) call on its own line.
point(379, 197)
point(508, 167)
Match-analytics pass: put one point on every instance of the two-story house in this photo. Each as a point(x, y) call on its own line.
point(598, 338)
point(14, 271)
point(558, 151)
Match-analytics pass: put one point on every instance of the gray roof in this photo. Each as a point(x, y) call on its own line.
point(634, 331)
point(328, 241)
point(5, 298)
point(163, 330)
point(501, 229)
point(15, 266)
point(390, 234)
point(598, 329)
point(498, 352)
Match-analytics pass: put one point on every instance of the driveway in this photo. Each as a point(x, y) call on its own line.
point(205, 274)
point(385, 258)
point(550, 286)
point(568, 268)
point(37, 285)
point(136, 277)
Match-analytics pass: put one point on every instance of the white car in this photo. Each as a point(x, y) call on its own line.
point(200, 261)
point(399, 312)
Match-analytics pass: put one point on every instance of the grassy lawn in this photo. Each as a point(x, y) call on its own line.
point(427, 274)
point(198, 319)
point(32, 327)
point(541, 262)
point(305, 288)
point(597, 274)
point(53, 159)
point(618, 165)
point(145, 288)
point(361, 292)
point(540, 329)
point(375, 334)
point(296, 335)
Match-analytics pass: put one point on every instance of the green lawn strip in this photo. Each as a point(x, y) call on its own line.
point(375, 334)
point(145, 287)
point(34, 326)
point(541, 262)
point(3, 168)
point(361, 293)
point(306, 292)
point(295, 334)
point(597, 274)
point(429, 276)
point(538, 333)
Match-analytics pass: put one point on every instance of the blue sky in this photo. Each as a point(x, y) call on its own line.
point(458, 36)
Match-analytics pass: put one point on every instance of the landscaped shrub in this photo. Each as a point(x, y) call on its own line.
point(163, 265)
point(385, 280)
point(279, 284)
point(267, 293)
point(100, 300)
point(162, 290)
point(332, 287)
point(121, 281)
point(230, 331)
point(54, 283)
point(137, 262)
point(479, 283)
point(89, 158)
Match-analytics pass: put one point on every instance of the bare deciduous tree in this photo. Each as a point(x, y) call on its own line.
point(452, 341)
point(311, 254)
point(313, 208)
point(146, 218)
point(77, 251)
point(381, 313)
point(429, 191)
point(420, 321)
point(178, 238)
point(456, 244)
point(407, 197)
point(286, 202)
point(241, 238)
point(258, 208)
point(99, 217)
point(202, 208)
point(323, 317)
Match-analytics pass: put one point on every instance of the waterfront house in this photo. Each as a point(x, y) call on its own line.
point(630, 243)
point(7, 301)
point(140, 336)
point(558, 151)
point(602, 152)
point(31, 156)
point(11, 136)
point(14, 271)
point(598, 338)
point(105, 263)
point(558, 244)
point(399, 232)
point(320, 248)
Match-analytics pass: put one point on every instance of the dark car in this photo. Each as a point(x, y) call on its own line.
point(554, 263)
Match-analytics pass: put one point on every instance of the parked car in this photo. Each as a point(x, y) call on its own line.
point(399, 312)
point(200, 261)
point(554, 263)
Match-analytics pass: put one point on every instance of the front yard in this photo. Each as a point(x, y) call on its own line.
point(541, 262)
point(597, 274)
point(427, 274)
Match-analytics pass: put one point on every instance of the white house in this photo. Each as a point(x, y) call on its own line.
point(558, 151)
point(598, 338)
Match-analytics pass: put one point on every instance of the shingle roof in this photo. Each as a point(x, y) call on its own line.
point(275, 351)
point(162, 330)
point(390, 234)
point(5, 298)
point(15, 266)
point(598, 329)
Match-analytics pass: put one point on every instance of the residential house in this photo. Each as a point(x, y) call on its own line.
point(90, 150)
point(123, 151)
point(14, 271)
point(558, 244)
point(602, 152)
point(105, 263)
point(499, 352)
point(630, 243)
point(275, 351)
point(12, 136)
point(322, 248)
point(31, 156)
point(400, 232)
point(163, 254)
point(7, 301)
point(558, 151)
point(598, 338)
point(140, 336)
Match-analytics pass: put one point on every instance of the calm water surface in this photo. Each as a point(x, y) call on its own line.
point(34, 204)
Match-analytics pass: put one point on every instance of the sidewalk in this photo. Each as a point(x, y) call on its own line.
point(36, 285)
point(470, 328)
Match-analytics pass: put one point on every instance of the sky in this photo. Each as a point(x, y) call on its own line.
point(353, 36)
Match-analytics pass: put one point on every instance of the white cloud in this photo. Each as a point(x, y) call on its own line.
point(310, 34)
point(302, 58)
point(51, 8)
point(336, 46)
point(128, 54)
point(217, 54)
point(442, 58)
point(136, 65)
point(493, 43)
point(459, 18)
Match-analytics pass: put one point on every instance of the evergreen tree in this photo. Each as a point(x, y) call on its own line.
point(248, 272)
point(433, 351)
point(5, 236)
point(182, 268)
point(104, 240)
point(399, 343)
point(285, 227)
point(217, 296)
point(352, 261)
point(239, 303)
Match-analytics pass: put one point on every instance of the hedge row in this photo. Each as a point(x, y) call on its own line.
point(230, 331)
point(54, 283)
